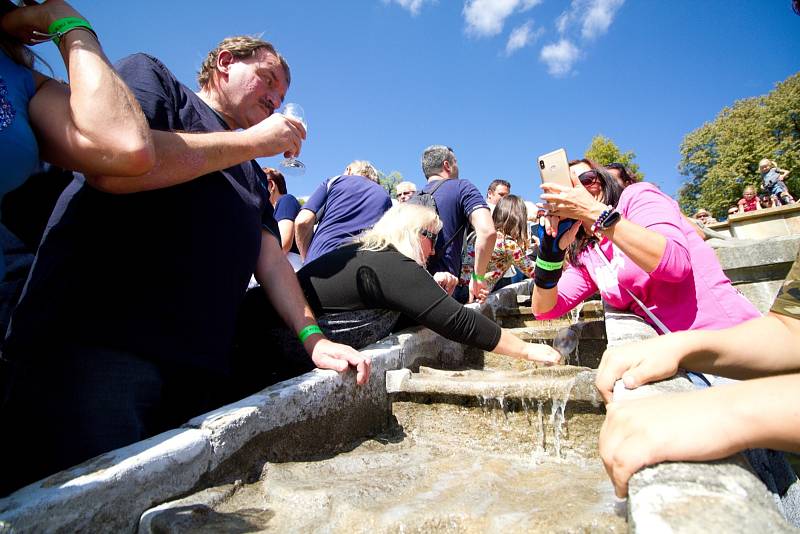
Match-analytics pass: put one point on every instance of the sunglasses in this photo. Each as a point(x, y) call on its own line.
point(430, 235)
point(590, 177)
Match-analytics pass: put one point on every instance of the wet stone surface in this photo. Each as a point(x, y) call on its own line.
point(440, 468)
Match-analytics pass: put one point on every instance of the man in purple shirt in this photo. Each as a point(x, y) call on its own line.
point(459, 203)
point(342, 207)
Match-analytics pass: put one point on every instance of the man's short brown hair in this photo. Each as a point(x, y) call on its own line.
point(241, 46)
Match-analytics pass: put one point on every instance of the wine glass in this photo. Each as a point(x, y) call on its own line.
point(292, 166)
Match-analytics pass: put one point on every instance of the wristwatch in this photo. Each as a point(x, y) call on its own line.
point(610, 220)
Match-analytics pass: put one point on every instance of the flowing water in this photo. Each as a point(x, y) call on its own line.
point(442, 468)
point(499, 446)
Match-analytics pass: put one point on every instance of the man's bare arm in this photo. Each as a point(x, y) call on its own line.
point(181, 157)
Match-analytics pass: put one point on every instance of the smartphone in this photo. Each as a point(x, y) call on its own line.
point(554, 167)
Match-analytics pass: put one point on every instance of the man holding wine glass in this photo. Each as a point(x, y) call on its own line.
point(135, 296)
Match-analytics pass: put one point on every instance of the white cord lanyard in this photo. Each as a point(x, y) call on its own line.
point(650, 314)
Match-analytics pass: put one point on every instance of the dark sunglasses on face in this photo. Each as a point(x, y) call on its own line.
point(427, 233)
point(590, 177)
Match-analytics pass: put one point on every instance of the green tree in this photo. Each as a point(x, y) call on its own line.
point(604, 151)
point(390, 181)
point(721, 157)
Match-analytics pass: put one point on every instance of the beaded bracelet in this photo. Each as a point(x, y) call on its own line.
point(308, 331)
point(602, 217)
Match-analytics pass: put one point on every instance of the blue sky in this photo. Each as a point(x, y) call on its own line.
point(501, 81)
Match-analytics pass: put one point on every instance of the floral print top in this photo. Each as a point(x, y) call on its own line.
point(506, 253)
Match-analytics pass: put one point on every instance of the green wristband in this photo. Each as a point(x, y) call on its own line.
point(549, 265)
point(478, 277)
point(308, 331)
point(62, 26)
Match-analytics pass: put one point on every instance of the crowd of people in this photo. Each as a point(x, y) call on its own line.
point(175, 274)
point(774, 193)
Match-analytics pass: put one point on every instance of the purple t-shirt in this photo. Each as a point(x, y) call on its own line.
point(686, 291)
point(286, 208)
point(352, 204)
point(456, 200)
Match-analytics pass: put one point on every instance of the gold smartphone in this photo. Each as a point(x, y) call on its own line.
point(554, 167)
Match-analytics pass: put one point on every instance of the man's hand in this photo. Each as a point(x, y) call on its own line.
point(639, 363)
point(277, 134)
point(447, 281)
point(329, 355)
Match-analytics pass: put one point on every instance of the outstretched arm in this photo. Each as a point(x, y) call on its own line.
point(95, 124)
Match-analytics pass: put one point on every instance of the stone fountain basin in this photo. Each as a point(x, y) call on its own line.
point(440, 467)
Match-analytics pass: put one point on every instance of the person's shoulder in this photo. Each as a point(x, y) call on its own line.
point(640, 191)
point(142, 61)
point(290, 199)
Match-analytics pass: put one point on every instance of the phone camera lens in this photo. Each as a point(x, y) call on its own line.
point(541, 164)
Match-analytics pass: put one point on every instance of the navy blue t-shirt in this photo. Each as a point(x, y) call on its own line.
point(455, 200)
point(352, 204)
point(158, 273)
point(286, 208)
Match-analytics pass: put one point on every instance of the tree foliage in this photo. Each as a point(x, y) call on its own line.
point(390, 181)
point(603, 150)
point(721, 157)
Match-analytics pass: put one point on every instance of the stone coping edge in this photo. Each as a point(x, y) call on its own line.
point(109, 493)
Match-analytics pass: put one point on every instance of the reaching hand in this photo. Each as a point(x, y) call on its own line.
point(478, 289)
point(329, 355)
point(639, 363)
point(539, 352)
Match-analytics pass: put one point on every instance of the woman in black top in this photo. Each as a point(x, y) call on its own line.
point(359, 291)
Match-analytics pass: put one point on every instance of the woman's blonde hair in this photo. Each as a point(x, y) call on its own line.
point(400, 227)
point(362, 168)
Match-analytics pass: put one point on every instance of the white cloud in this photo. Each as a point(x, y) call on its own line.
point(560, 57)
point(598, 17)
point(594, 17)
point(485, 18)
point(413, 6)
point(522, 36)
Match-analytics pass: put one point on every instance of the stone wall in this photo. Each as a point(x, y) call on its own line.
point(762, 224)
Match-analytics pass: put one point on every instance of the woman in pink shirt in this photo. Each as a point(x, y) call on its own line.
point(649, 249)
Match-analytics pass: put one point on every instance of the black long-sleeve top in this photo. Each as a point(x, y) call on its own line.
point(349, 279)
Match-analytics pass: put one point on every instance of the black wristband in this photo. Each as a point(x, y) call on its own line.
point(546, 279)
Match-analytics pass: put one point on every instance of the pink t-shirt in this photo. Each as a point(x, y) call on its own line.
point(686, 291)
